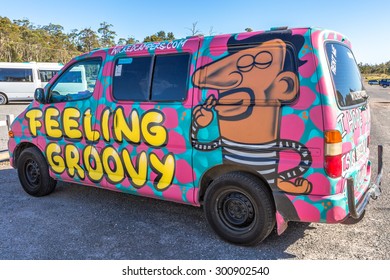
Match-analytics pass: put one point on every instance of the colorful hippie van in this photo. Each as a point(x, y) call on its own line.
point(259, 128)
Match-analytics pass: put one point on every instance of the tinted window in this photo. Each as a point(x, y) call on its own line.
point(131, 78)
point(77, 82)
point(46, 75)
point(170, 77)
point(15, 75)
point(346, 75)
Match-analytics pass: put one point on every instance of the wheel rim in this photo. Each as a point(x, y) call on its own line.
point(33, 173)
point(2, 99)
point(236, 211)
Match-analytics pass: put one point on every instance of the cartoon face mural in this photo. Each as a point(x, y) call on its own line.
point(252, 86)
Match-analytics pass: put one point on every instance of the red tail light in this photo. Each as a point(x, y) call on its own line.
point(333, 153)
point(333, 166)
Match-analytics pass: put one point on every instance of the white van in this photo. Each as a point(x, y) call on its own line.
point(18, 81)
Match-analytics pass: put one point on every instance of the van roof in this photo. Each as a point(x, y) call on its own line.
point(148, 46)
point(43, 65)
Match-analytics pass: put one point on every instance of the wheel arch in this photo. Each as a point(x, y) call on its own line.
point(6, 97)
point(217, 171)
point(20, 148)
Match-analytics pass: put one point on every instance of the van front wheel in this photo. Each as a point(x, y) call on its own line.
point(240, 208)
point(3, 99)
point(33, 173)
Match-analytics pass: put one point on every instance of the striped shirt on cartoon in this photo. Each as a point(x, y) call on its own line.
point(264, 158)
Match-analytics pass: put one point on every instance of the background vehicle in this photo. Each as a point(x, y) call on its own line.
point(384, 83)
point(373, 82)
point(18, 81)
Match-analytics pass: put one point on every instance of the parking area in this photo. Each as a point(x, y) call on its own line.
point(77, 222)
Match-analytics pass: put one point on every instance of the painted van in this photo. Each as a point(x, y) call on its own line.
point(259, 128)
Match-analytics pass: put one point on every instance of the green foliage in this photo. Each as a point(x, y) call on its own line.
point(378, 70)
point(21, 41)
point(160, 36)
point(107, 36)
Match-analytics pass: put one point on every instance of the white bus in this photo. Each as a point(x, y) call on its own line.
point(18, 81)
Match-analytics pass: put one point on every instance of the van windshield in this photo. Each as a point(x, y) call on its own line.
point(346, 75)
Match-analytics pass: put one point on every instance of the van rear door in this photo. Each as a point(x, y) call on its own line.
point(354, 116)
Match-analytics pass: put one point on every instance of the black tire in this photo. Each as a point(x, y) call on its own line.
point(33, 173)
point(3, 99)
point(240, 208)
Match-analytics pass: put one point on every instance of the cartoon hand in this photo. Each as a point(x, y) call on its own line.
point(300, 186)
point(203, 114)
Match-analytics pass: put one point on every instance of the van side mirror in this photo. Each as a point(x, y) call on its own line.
point(39, 95)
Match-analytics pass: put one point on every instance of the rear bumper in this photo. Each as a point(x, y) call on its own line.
point(374, 191)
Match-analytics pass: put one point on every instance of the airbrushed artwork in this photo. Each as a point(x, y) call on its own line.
point(262, 103)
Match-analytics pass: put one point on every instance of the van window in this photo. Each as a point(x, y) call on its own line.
point(346, 75)
point(77, 82)
point(46, 75)
point(131, 78)
point(170, 78)
point(15, 75)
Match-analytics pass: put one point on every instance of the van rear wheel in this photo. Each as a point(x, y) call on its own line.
point(3, 99)
point(240, 208)
point(33, 173)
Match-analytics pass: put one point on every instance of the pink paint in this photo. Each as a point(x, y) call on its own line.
point(308, 69)
point(335, 214)
point(143, 147)
point(173, 193)
point(281, 223)
point(126, 183)
point(316, 146)
point(107, 69)
point(306, 98)
point(316, 40)
point(246, 35)
point(299, 31)
point(321, 184)
point(171, 118)
point(347, 147)
point(146, 191)
point(307, 212)
point(288, 160)
point(176, 143)
point(292, 127)
point(218, 45)
point(191, 195)
point(184, 172)
point(316, 117)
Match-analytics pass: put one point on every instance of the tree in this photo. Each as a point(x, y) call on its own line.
point(107, 36)
point(160, 36)
point(248, 29)
point(88, 40)
point(194, 29)
point(128, 41)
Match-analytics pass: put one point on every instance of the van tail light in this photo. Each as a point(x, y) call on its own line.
point(333, 153)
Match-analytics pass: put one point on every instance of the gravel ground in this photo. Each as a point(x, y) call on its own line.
point(77, 222)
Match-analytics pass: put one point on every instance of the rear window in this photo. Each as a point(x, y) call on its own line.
point(152, 78)
point(346, 76)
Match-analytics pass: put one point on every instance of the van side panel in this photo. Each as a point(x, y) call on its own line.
point(261, 114)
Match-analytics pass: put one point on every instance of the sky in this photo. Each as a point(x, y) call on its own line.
point(363, 22)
